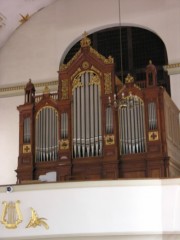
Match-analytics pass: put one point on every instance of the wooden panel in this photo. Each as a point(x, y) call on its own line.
point(138, 174)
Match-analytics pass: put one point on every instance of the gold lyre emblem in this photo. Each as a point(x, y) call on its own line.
point(11, 214)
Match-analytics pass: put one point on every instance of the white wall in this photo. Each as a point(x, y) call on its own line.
point(37, 47)
point(103, 208)
point(9, 138)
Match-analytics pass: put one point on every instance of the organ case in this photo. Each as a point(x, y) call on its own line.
point(96, 127)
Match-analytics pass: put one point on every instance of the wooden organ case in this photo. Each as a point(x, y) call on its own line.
point(95, 127)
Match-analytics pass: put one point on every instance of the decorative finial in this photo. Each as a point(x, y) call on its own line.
point(129, 78)
point(85, 42)
point(46, 90)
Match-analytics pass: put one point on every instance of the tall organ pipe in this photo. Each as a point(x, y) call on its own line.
point(132, 126)
point(46, 144)
point(87, 116)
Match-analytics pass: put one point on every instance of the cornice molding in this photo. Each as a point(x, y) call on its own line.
point(172, 69)
point(18, 89)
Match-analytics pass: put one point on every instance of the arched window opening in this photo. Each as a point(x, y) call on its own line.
point(138, 47)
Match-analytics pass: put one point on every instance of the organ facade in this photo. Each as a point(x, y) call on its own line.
point(97, 127)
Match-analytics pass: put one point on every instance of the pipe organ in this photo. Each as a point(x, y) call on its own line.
point(96, 127)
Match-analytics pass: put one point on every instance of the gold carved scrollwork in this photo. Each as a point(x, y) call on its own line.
point(64, 89)
point(108, 60)
point(94, 80)
point(75, 73)
point(11, 215)
point(109, 139)
point(108, 84)
point(64, 144)
point(76, 83)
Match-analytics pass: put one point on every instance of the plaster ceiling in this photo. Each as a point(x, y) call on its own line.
point(13, 13)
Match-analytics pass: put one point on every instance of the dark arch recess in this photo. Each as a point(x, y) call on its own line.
point(138, 47)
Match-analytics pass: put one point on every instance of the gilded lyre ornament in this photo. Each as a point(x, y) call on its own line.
point(108, 85)
point(36, 221)
point(64, 89)
point(11, 215)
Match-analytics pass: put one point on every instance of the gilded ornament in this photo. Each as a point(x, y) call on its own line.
point(108, 60)
point(75, 73)
point(11, 215)
point(76, 83)
point(94, 69)
point(46, 90)
point(153, 136)
point(129, 78)
point(36, 221)
point(108, 85)
point(109, 139)
point(85, 65)
point(64, 144)
point(65, 66)
point(94, 80)
point(26, 148)
point(85, 42)
point(24, 18)
point(64, 89)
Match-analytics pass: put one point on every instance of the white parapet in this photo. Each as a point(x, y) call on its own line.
point(122, 209)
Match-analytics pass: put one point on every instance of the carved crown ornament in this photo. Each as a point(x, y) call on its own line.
point(11, 216)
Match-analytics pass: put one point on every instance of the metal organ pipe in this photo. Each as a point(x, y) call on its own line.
point(152, 116)
point(82, 111)
point(75, 125)
point(96, 120)
point(87, 139)
point(132, 126)
point(109, 120)
point(46, 135)
point(27, 133)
